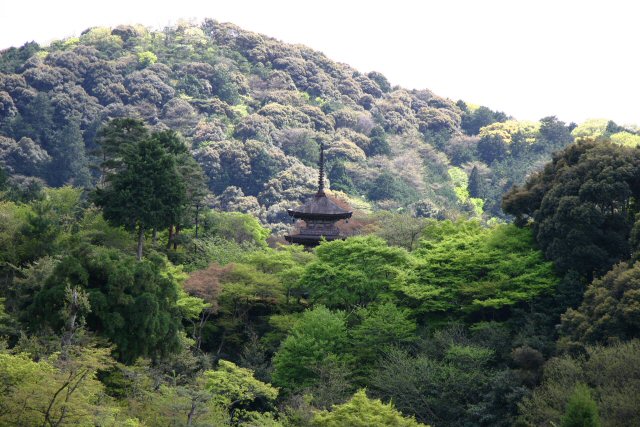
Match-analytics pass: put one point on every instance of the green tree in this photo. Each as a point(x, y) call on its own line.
point(320, 335)
point(134, 304)
point(379, 146)
point(610, 310)
point(390, 187)
point(234, 387)
point(449, 385)
point(467, 269)
point(582, 206)
point(581, 410)
point(381, 326)
point(55, 391)
point(354, 272)
point(612, 373)
point(147, 191)
point(361, 411)
point(69, 165)
point(476, 184)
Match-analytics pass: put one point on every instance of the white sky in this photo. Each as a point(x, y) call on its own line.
point(528, 58)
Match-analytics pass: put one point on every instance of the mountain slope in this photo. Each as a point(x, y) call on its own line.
point(252, 110)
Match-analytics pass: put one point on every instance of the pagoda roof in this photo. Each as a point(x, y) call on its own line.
point(319, 207)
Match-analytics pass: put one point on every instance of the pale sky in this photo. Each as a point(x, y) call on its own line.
point(530, 59)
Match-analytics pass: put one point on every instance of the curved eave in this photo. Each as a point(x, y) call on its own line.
point(325, 216)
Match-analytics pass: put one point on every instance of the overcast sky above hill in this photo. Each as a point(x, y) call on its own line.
point(573, 59)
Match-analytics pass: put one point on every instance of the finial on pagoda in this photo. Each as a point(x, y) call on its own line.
point(320, 192)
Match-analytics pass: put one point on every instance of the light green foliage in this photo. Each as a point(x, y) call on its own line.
point(460, 183)
point(151, 400)
point(581, 410)
point(354, 272)
point(55, 391)
point(147, 58)
point(361, 411)
point(191, 307)
point(381, 326)
point(592, 128)
point(232, 385)
point(101, 38)
point(236, 226)
point(66, 205)
point(503, 139)
point(13, 218)
point(320, 334)
point(94, 229)
point(466, 268)
point(203, 251)
point(247, 295)
point(627, 139)
point(478, 205)
point(287, 264)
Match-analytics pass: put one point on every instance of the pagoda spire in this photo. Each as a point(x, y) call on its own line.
point(319, 214)
point(320, 192)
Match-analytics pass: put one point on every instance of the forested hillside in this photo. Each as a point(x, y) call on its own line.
point(252, 110)
point(491, 276)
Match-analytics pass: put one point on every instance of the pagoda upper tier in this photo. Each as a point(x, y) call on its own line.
point(320, 215)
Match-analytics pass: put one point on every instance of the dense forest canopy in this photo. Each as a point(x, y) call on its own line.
point(490, 276)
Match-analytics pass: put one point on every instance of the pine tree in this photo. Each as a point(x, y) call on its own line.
point(475, 183)
point(143, 187)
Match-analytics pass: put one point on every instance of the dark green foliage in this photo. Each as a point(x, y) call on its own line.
point(379, 146)
point(381, 327)
point(450, 386)
point(482, 116)
point(610, 310)
point(582, 206)
point(69, 164)
point(555, 132)
point(612, 374)
point(372, 311)
point(225, 93)
point(339, 178)
point(388, 186)
point(131, 303)
point(146, 190)
point(476, 184)
point(12, 59)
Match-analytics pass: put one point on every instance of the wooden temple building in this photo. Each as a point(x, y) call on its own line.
point(319, 214)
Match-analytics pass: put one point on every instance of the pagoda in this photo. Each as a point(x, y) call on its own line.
point(319, 215)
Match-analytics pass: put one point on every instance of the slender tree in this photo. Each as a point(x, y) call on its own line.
point(143, 187)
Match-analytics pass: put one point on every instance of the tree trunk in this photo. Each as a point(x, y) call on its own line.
point(175, 241)
point(155, 236)
point(192, 411)
point(170, 237)
point(140, 242)
point(197, 217)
